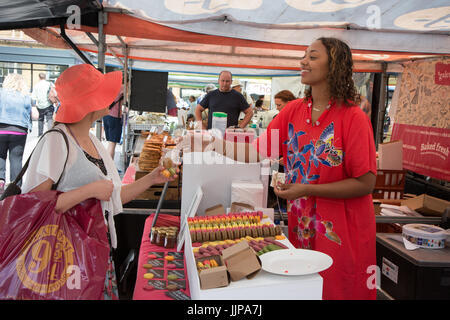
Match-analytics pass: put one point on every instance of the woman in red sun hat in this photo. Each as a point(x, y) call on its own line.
point(85, 95)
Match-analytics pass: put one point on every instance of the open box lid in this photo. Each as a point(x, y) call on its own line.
point(234, 249)
point(190, 214)
point(241, 261)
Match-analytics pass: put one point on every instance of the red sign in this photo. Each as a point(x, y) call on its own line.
point(425, 149)
point(442, 74)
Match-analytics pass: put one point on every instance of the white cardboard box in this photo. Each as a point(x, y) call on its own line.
point(214, 174)
point(249, 192)
point(264, 286)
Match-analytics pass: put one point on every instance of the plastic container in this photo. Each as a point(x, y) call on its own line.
point(153, 235)
point(240, 135)
point(171, 240)
point(161, 238)
point(424, 235)
point(219, 121)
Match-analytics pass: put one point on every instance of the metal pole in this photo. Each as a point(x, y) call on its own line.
point(161, 200)
point(101, 40)
point(107, 48)
point(102, 17)
point(381, 106)
point(125, 110)
point(73, 45)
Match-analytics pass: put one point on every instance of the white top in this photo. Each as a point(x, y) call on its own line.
point(40, 94)
point(48, 160)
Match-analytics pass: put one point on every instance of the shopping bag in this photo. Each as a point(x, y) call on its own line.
point(50, 255)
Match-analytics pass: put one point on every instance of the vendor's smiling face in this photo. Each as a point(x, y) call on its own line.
point(225, 81)
point(314, 64)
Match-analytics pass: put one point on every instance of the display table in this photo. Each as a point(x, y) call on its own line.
point(146, 247)
point(264, 286)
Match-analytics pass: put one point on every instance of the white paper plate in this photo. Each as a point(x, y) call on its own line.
point(295, 262)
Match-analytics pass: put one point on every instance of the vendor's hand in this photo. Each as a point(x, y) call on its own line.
point(290, 191)
point(197, 142)
point(157, 177)
point(102, 189)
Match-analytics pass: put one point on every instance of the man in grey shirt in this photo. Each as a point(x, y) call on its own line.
point(225, 100)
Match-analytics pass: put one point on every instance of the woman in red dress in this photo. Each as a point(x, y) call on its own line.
point(329, 151)
point(328, 144)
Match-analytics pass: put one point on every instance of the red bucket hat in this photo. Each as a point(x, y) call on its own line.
point(83, 89)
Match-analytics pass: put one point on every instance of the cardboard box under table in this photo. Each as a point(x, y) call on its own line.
point(427, 205)
point(173, 191)
point(263, 286)
point(412, 274)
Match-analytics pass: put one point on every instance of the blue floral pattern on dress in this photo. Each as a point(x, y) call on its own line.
point(322, 152)
point(299, 162)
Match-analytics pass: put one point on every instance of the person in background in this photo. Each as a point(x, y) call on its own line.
point(183, 109)
point(259, 106)
point(53, 97)
point(90, 172)
point(15, 122)
point(329, 150)
point(225, 100)
point(204, 123)
point(237, 85)
point(260, 98)
point(45, 107)
point(282, 98)
point(208, 88)
point(112, 124)
point(181, 104)
point(365, 106)
point(171, 103)
point(190, 121)
point(192, 105)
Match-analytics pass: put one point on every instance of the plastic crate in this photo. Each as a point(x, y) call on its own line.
point(390, 184)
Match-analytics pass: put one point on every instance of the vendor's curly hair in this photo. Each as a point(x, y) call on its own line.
point(340, 72)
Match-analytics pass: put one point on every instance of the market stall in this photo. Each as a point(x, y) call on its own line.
point(155, 39)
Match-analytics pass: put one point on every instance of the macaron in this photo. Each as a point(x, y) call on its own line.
point(148, 275)
point(148, 288)
point(172, 287)
point(172, 277)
